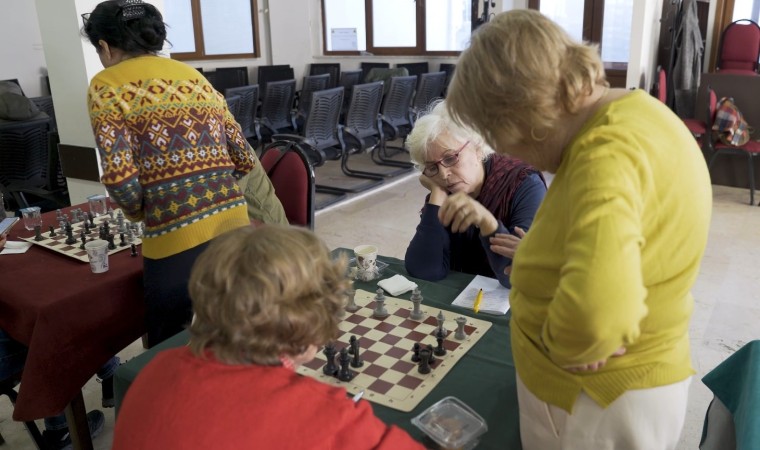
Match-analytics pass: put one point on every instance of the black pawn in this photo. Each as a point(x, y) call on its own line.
point(134, 250)
point(83, 237)
point(111, 245)
point(354, 350)
point(345, 374)
point(86, 226)
point(38, 233)
point(92, 219)
point(439, 350)
point(433, 359)
point(52, 231)
point(416, 353)
point(123, 241)
point(330, 368)
point(424, 366)
point(351, 342)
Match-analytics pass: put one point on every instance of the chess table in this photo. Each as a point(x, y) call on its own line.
point(483, 377)
point(71, 319)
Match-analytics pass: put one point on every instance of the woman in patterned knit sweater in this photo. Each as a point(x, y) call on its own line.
point(170, 152)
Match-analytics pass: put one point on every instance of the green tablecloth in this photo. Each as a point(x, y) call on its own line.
point(484, 378)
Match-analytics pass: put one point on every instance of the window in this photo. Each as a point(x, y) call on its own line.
point(212, 29)
point(746, 9)
point(396, 27)
point(604, 22)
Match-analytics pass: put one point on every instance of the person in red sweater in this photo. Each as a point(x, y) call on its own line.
point(265, 299)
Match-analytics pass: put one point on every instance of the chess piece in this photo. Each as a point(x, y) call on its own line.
point(134, 250)
point(440, 350)
point(460, 334)
point(416, 299)
point(52, 231)
point(122, 240)
point(74, 215)
point(380, 312)
point(91, 218)
point(111, 245)
point(351, 342)
point(58, 215)
point(354, 350)
point(120, 222)
point(83, 237)
point(330, 368)
point(110, 212)
point(38, 233)
point(432, 358)
point(345, 374)
point(86, 227)
point(351, 293)
point(424, 366)
point(440, 319)
point(70, 239)
point(416, 352)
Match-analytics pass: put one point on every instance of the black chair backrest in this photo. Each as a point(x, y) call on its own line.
point(415, 68)
point(332, 69)
point(230, 77)
point(311, 84)
point(24, 152)
point(362, 117)
point(268, 74)
point(349, 78)
point(321, 128)
point(367, 66)
point(398, 101)
point(449, 69)
point(429, 88)
point(233, 104)
point(278, 100)
point(45, 104)
point(249, 99)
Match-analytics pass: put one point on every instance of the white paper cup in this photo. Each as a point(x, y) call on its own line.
point(97, 253)
point(366, 258)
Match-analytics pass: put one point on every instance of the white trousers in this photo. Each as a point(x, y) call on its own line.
point(645, 419)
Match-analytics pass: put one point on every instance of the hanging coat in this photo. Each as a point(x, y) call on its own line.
point(688, 64)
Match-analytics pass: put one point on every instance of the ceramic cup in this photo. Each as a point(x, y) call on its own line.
point(97, 253)
point(32, 217)
point(366, 259)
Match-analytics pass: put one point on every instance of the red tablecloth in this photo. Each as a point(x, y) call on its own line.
point(71, 319)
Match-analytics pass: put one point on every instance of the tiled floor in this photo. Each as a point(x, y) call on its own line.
point(727, 290)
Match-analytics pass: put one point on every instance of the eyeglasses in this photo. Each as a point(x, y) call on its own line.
point(431, 169)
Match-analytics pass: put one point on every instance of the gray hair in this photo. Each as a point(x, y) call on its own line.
point(431, 125)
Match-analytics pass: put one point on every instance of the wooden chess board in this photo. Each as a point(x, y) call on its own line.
point(58, 242)
point(389, 377)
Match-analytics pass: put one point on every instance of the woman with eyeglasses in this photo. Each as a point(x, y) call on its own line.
point(480, 203)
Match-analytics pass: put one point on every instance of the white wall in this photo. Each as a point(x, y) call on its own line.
point(645, 32)
point(21, 54)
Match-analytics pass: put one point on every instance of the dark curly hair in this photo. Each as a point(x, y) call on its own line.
point(129, 25)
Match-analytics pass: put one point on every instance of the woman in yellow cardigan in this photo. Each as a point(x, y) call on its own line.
point(601, 284)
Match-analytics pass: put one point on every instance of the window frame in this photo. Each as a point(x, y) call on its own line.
point(418, 50)
point(199, 54)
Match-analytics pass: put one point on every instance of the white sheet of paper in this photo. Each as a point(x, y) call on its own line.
point(14, 247)
point(495, 296)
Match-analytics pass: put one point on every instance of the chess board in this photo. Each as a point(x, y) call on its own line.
point(389, 377)
point(58, 242)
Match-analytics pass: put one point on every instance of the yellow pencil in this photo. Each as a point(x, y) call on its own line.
point(478, 299)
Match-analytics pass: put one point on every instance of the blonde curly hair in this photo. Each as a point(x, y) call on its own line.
point(260, 293)
point(521, 73)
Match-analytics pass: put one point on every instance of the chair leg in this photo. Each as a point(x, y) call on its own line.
point(360, 173)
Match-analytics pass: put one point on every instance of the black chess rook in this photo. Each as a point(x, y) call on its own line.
point(424, 366)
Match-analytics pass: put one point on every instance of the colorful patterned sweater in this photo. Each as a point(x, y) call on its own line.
point(170, 152)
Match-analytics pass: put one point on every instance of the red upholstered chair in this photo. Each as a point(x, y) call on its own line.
point(293, 180)
point(698, 127)
point(739, 48)
point(751, 150)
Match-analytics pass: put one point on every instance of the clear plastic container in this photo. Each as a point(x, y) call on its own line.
point(451, 424)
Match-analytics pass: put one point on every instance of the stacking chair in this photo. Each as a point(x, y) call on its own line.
point(449, 69)
point(697, 126)
point(415, 68)
point(275, 109)
point(395, 117)
point(332, 69)
point(268, 74)
point(385, 75)
point(233, 104)
point(6, 388)
point(367, 66)
point(362, 131)
point(751, 150)
point(348, 79)
point(230, 77)
point(739, 48)
point(249, 99)
point(292, 176)
point(45, 104)
point(311, 83)
point(429, 88)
